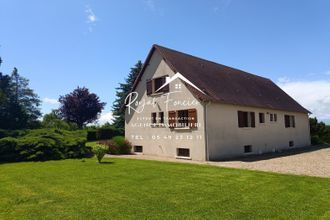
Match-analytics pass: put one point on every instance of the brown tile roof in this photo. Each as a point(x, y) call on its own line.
point(225, 84)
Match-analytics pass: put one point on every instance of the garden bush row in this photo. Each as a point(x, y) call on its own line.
point(103, 133)
point(44, 144)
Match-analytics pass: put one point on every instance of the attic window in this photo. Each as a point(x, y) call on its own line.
point(154, 84)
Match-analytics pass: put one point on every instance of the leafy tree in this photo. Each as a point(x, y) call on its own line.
point(319, 131)
point(317, 128)
point(122, 91)
point(19, 105)
point(80, 107)
point(53, 120)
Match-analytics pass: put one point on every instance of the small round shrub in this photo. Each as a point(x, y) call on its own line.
point(100, 150)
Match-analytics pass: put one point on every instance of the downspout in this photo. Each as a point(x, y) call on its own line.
point(207, 157)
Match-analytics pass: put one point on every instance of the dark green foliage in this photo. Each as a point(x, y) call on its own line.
point(122, 91)
point(320, 133)
point(8, 149)
point(49, 144)
point(118, 145)
point(102, 133)
point(315, 139)
point(91, 135)
point(19, 105)
point(11, 133)
point(106, 133)
point(53, 120)
point(80, 107)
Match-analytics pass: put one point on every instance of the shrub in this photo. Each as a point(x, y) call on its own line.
point(100, 150)
point(125, 146)
point(49, 144)
point(315, 139)
point(11, 133)
point(106, 133)
point(113, 148)
point(117, 145)
point(8, 149)
point(91, 135)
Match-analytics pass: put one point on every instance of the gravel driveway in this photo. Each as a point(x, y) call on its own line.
point(311, 161)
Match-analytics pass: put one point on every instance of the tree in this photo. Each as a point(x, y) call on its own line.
point(122, 91)
point(80, 107)
point(319, 131)
point(19, 105)
point(53, 120)
point(317, 128)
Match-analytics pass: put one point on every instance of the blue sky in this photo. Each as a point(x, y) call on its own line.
point(60, 45)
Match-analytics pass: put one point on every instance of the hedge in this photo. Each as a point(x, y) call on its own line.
point(45, 144)
point(102, 133)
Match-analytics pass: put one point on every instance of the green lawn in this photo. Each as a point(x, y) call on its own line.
point(126, 189)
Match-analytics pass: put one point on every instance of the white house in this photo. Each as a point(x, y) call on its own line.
point(186, 107)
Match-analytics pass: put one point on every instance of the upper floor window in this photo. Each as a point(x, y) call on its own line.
point(246, 119)
point(289, 121)
point(154, 84)
point(182, 118)
point(161, 117)
point(154, 118)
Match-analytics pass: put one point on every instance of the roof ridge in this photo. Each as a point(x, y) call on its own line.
point(209, 61)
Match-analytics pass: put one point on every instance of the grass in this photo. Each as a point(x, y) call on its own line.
point(136, 189)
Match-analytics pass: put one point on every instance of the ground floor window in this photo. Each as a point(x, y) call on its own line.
point(138, 149)
point(183, 152)
point(247, 148)
point(291, 143)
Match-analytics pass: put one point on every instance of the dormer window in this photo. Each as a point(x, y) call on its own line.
point(154, 84)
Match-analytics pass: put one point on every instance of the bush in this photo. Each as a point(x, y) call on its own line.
point(8, 149)
point(11, 133)
point(91, 135)
point(50, 144)
point(100, 150)
point(315, 139)
point(106, 133)
point(113, 148)
point(117, 145)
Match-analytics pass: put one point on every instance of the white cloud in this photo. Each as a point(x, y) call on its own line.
point(50, 101)
point(105, 117)
point(91, 18)
point(313, 95)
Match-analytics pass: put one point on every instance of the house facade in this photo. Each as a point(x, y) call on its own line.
point(186, 107)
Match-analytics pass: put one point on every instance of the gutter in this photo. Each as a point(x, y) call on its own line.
point(207, 157)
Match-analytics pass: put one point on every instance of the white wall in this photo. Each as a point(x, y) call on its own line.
point(226, 139)
point(192, 139)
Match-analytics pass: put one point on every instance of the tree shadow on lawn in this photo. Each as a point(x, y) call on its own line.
point(283, 153)
point(106, 162)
